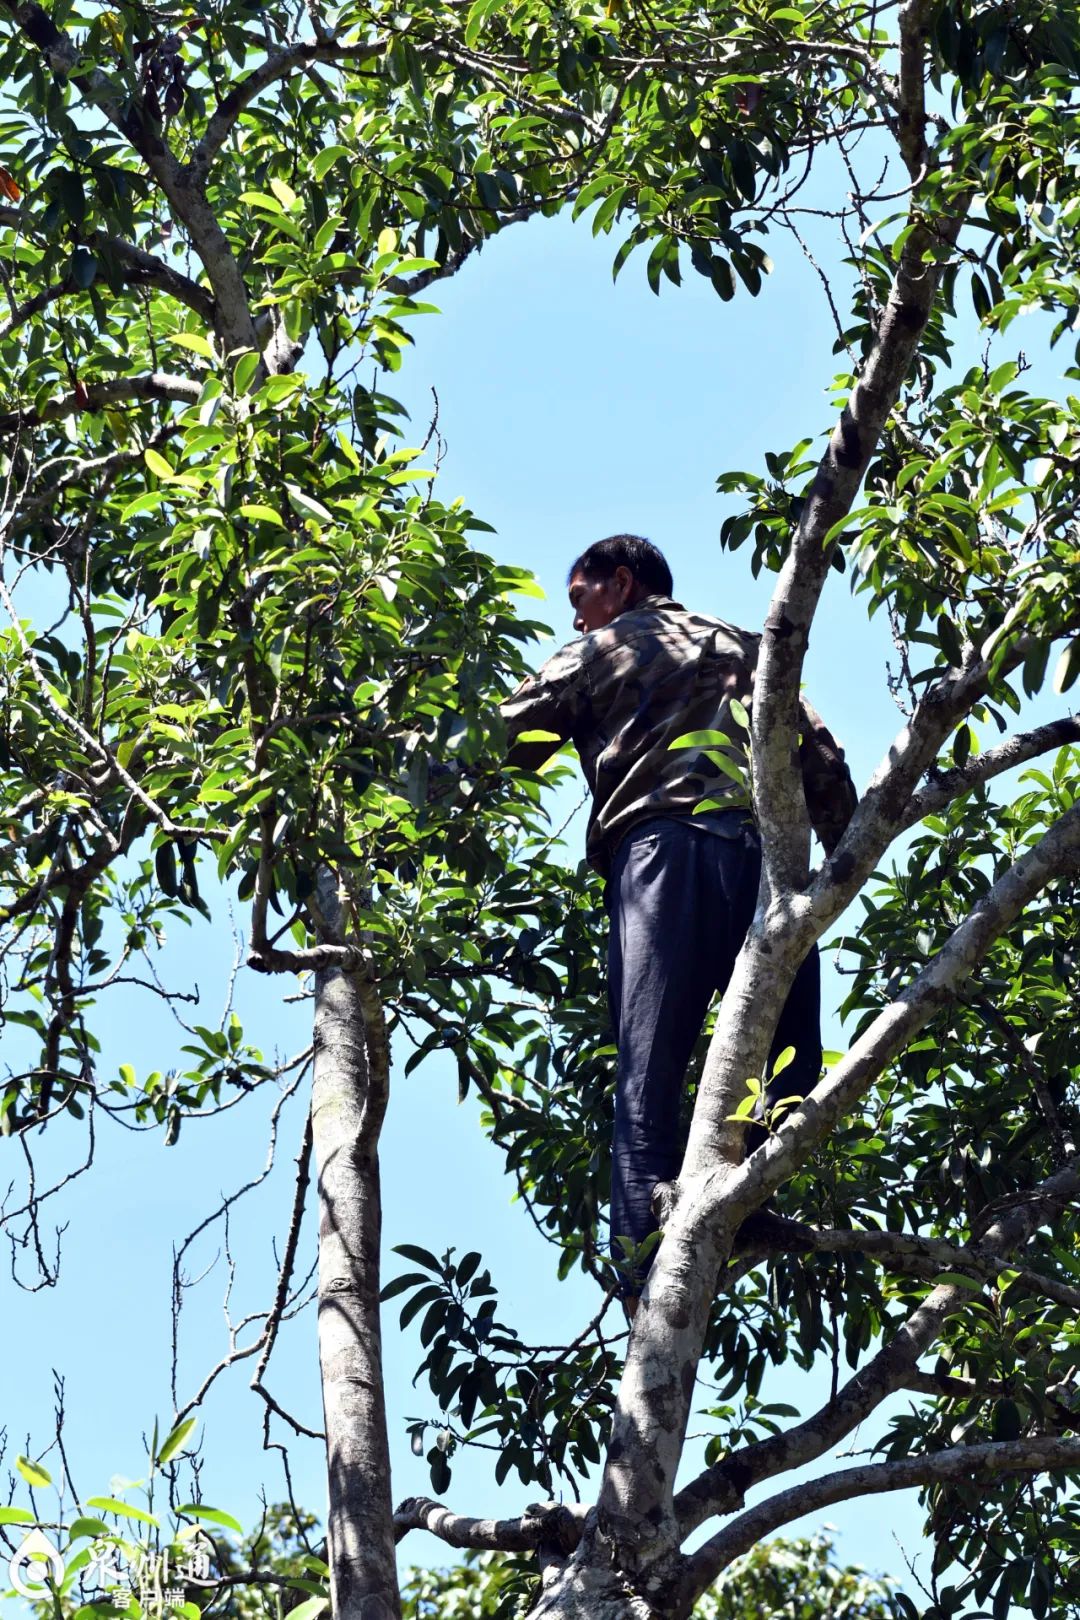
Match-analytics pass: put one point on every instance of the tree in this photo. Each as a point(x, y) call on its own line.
point(268, 643)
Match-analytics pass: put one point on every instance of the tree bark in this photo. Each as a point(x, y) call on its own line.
point(348, 1103)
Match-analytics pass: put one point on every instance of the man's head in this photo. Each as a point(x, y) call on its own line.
point(613, 575)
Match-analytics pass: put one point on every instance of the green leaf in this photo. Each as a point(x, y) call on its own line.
point(15, 1515)
point(246, 367)
point(209, 1515)
point(193, 341)
point(956, 1279)
point(309, 1608)
point(261, 514)
point(92, 1528)
point(478, 14)
point(83, 267)
point(702, 739)
point(722, 279)
point(420, 1257)
point(122, 1510)
point(305, 506)
point(950, 640)
point(326, 159)
point(33, 1472)
point(147, 502)
point(174, 1442)
point(1068, 667)
point(157, 464)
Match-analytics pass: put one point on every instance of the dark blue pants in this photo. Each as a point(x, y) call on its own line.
point(681, 898)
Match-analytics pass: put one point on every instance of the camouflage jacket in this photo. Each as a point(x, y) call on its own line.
point(625, 693)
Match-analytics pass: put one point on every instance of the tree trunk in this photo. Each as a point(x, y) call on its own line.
point(588, 1587)
point(348, 1103)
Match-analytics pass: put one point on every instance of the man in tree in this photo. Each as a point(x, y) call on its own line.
point(672, 830)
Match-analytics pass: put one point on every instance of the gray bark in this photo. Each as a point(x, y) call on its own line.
point(348, 1102)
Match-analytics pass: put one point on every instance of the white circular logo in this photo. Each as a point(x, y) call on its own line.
point(36, 1561)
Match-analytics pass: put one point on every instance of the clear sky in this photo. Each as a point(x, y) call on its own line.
point(571, 409)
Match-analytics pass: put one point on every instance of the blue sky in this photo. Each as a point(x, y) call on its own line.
point(571, 409)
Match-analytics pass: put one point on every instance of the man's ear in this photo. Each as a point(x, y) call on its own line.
point(626, 583)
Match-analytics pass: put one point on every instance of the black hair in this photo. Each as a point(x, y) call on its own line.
point(643, 559)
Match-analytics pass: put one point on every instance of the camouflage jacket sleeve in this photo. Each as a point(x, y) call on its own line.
point(830, 792)
point(552, 700)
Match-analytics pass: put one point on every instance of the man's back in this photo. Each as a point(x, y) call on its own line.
point(626, 692)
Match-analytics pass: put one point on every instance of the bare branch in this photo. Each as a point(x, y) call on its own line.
point(281, 1295)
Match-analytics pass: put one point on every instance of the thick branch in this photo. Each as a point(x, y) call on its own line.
point(722, 1487)
point(550, 1522)
point(912, 120)
point(146, 270)
point(745, 1187)
point(141, 268)
point(1026, 745)
point(905, 1251)
point(778, 793)
point(959, 1465)
point(94, 396)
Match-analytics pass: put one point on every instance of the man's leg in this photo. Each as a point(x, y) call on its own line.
point(672, 901)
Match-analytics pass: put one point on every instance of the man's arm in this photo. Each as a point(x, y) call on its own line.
point(830, 791)
point(550, 701)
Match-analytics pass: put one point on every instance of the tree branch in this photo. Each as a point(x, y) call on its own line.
point(548, 1522)
point(142, 269)
point(778, 794)
point(722, 1487)
point(146, 270)
point(1026, 745)
point(96, 395)
point(911, 135)
point(958, 1465)
point(276, 67)
point(908, 1251)
point(746, 1186)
